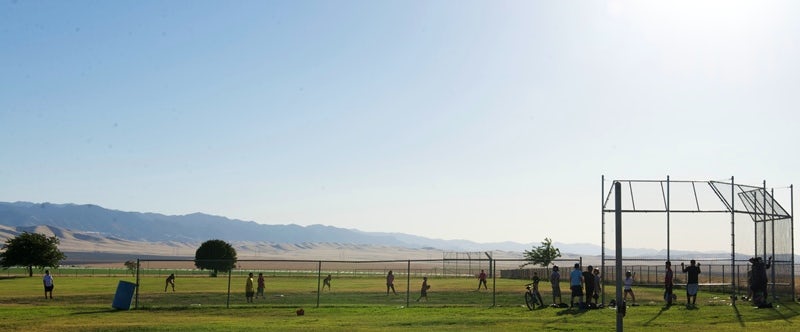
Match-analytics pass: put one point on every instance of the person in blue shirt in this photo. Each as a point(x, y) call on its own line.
point(576, 285)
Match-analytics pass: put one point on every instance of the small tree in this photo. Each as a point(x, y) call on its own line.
point(542, 255)
point(215, 255)
point(131, 265)
point(31, 249)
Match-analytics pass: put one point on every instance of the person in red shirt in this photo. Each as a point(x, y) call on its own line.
point(260, 288)
point(482, 280)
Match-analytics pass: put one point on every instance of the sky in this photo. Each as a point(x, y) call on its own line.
point(480, 120)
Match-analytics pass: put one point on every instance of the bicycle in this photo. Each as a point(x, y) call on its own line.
point(532, 297)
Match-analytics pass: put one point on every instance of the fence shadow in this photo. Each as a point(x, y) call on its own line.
point(738, 315)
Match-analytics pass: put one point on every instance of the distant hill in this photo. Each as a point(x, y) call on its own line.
point(197, 227)
point(98, 226)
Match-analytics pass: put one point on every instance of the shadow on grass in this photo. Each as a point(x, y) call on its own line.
point(789, 308)
point(663, 309)
point(784, 317)
point(102, 311)
point(8, 277)
point(738, 315)
point(572, 311)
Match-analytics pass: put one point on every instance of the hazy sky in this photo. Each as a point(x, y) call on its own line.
point(480, 120)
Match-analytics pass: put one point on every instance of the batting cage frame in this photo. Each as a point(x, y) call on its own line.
point(773, 225)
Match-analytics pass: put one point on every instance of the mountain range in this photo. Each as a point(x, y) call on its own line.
point(94, 225)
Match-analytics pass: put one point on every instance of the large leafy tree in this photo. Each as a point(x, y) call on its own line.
point(542, 255)
point(215, 255)
point(31, 249)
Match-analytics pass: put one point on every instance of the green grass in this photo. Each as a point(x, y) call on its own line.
point(356, 304)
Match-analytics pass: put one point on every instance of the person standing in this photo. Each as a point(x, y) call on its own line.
point(692, 285)
point(47, 280)
point(327, 282)
point(588, 283)
point(249, 291)
point(597, 285)
point(759, 281)
point(576, 286)
point(482, 280)
point(668, 276)
point(261, 286)
point(170, 281)
point(628, 287)
point(555, 285)
point(390, 283)
point(535, 289)
point(423, 293)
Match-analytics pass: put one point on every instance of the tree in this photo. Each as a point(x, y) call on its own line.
point(31, 249)
point(542, 255)
point(215, 255)
point(131, 265)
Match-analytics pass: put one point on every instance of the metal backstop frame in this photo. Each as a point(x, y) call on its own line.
point(757, 202)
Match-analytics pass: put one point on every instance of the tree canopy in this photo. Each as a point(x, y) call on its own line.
point(131, 265)
point(31, 249)
point(215, 255)
point(542, 255)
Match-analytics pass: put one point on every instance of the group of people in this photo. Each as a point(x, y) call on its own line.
point(757, 281)
point(423, 294)
point(589, 281)
point(692, 285)
point(583, 285)
point(586, 285)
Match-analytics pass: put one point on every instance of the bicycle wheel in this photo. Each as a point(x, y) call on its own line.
point(529, 301)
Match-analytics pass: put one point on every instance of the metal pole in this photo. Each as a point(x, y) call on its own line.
point(791, 220)
point(772, 225)
point(618, 248)
point(408, 282)
point(733, 240)
point(603, 234)
point(494, 282)
point(668, 256)
point(136, 301)
point(764, 219)
point(228, 301)
point(319, 276)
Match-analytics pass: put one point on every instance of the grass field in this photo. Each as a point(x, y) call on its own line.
point(355, 304)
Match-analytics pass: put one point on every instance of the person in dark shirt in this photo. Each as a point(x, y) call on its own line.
point(327, 282)
point(588, 284)
point(759, 280)
point(692, 285)
point(170, 281)
point(423, 293)
point(668, 276)
point(555, 284)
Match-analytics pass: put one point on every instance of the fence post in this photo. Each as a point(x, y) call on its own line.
point(319, 275)
point(494, 282)
point(408, 284)
point(723, 274)
point(136, 301)
point(228, 301)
